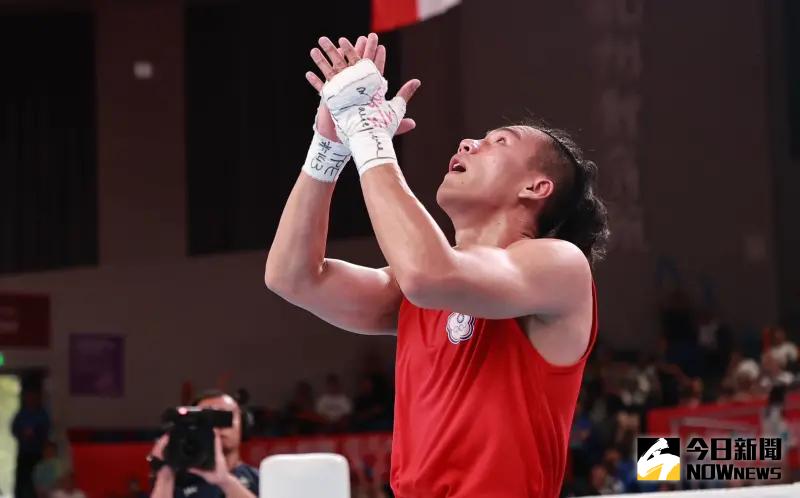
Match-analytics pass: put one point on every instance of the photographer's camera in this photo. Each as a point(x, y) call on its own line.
point(191, 436)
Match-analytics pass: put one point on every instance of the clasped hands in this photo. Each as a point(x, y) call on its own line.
point(354, 115)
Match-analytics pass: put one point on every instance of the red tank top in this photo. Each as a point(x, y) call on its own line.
point(479, 413)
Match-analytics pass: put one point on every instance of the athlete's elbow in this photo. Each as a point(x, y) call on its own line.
point(293, 282)
point(276, 282)
point(274, 277)
point(280, 281)
point(293, 291)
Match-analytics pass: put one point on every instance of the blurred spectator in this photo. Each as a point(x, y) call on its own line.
point(382, 385)
point(772, 373)
point(677, 317)
point(31, 428)
point(371, 412)
point(628, 426)
point(67, 489)
point(775, 424)
point(781, 349)
point(581, 433)
point(692, 393)
point(48, 472)
point(714, 339)
point(334, 405)
point(645, 382)
point(301, 418)
point(621, 467)
point(626, 379)
point(741, 376)
point(602, 483)
point(581, 440)
point(670, 375)
point(267, 422)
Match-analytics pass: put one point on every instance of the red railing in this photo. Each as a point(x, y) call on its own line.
point(744, 419)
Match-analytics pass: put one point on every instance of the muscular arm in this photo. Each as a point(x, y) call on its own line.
point(355, 298)
point(539, 276)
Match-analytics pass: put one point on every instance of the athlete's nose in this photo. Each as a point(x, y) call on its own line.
point(468, 146)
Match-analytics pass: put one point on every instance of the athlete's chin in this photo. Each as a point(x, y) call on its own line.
point(451, 194)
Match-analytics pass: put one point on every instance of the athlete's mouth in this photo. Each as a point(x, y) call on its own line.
point(456, 166)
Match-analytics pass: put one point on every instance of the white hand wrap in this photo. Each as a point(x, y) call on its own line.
point(326, 158)
point(365, 121)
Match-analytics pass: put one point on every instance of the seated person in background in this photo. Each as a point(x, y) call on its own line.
point(371, 410)
point(620, 466)
point(741, 378)
point(48, 472)
point(334, 405)
point(692, 393)
point(773, 373)
point(231, 478)
point(782, 349)
point(300, 414)
point(66, 488)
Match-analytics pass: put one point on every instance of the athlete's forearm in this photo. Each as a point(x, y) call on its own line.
point(351, 297)
point(412, 243)
point(297, 254)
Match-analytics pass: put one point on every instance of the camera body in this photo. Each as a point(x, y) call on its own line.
point(191, 436)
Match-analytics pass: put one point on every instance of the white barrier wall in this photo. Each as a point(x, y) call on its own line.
point(781, 491)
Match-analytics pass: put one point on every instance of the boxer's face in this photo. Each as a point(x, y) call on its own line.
point(230, 437)
point(497, 171)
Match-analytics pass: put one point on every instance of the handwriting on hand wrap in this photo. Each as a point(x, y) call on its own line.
point(335, 162)
point(374, 114)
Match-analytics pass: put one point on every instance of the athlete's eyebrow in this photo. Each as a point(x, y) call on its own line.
point(508, 129)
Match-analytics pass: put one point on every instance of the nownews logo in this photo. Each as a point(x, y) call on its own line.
point(659, 459)
point(723, 459)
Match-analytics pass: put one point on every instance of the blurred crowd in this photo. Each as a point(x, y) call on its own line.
point(332, 407)
point(698, 360)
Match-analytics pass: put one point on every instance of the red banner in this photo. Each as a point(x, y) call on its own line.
point(24, 320)
point(106, 469)
point(745, 419)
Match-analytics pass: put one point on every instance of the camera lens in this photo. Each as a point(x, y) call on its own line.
point(190, 446)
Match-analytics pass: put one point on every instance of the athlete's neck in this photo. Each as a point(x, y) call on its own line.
point(498, 229)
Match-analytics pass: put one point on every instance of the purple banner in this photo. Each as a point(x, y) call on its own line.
point(96, 365)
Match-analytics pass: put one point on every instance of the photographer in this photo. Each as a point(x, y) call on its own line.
point(230, 477)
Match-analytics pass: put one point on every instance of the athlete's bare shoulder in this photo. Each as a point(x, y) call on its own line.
point(561, 337)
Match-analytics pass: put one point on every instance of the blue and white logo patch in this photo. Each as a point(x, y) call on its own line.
point(459, 327)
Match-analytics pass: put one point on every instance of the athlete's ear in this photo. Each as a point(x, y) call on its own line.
point(540, 188)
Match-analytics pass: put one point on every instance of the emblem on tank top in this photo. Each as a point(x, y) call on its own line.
point(459, 327)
